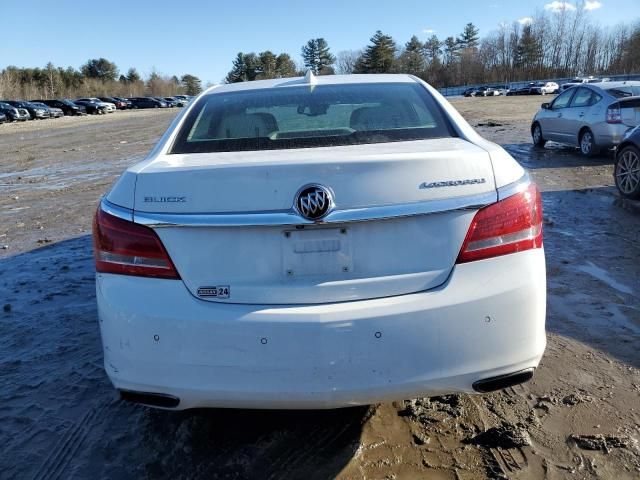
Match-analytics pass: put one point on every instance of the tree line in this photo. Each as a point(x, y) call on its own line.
point(551, 44)
point(97, 77)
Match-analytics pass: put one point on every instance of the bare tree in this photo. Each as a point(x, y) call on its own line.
point(346, 61)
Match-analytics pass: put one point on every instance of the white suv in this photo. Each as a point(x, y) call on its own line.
point(545, 88)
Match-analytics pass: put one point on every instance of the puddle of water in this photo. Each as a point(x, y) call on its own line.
point(604, 277)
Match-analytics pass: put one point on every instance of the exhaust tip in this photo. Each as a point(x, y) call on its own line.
point(150, 399)
point(500, 382)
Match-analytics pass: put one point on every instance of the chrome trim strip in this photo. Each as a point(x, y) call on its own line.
point(115, 210)
point(518, 186)
point(291, 218)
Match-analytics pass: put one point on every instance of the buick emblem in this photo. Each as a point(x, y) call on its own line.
point(314, 202)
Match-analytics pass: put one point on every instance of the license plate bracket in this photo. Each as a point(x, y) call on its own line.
point(317, 252)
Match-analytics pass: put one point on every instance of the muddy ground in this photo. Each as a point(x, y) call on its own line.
point(59, 417)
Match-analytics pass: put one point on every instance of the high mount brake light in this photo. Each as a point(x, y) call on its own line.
point(508, 226)
point(126, 248)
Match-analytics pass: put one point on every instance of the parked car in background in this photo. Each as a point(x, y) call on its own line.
point(500, 89)
point(481, 91)
point(271, 282)
point(469, 92)
point(110, 107)
point(93, 108)
point(185, 98)
point(53, 112)
point(592, 116)
point(580, 80)
point(67, 106)
point(544, 88)
point(146, 102)
point(34, 112)
point(14, 114)
point(169, 103)
point(172, 102)
point(119, 104)
point(180, 102)
point(126, 101)
point(524, 90)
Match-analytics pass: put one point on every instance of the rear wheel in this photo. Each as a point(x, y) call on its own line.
point(627, 172)
point(588, 145)
point(536, 135)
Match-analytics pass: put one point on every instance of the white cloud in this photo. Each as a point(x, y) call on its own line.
point(525, 21)
point(557, 6)
point(592, 5)
point(429, 31)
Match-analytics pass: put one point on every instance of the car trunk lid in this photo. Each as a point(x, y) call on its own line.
point(229, 226)
point(629, 111)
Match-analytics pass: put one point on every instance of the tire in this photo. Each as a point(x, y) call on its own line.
point(536, 135)
point(626, 172)
point(587, 144)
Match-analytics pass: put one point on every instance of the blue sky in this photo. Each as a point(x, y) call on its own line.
point(203, 37)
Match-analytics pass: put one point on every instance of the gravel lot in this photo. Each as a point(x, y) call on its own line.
point(60, 418)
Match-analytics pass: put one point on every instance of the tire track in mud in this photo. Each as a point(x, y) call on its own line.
point(65, 450)
point(295, 457)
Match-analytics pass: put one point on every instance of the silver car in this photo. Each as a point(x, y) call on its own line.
point(590, 116)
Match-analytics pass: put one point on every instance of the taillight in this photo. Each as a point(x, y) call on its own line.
point(613, 114)
point(508, 226)
point(127, 248)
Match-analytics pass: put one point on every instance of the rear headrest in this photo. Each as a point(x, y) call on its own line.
point(247, 125)
point(382, 117)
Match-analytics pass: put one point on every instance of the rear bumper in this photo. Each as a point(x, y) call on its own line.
point(487, 320)
point(609, 135)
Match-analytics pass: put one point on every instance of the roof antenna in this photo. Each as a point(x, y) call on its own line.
point(310, 78)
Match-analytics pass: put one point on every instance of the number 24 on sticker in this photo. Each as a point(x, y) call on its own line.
point(220, 291)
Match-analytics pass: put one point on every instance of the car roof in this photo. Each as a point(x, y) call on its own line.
point(317, 80)
point(608, 85)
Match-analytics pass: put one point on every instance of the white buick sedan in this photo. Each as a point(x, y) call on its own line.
point(319, 243)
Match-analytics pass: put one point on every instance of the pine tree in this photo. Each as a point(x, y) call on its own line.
point(238, 71)
point(451, 50)
point(192, 84)
point(100, 68)
point(413, 59)
point(267, 64)
point(285, 67)
point(469, 37)
point(528, 51)
point(133, 76)
point(317, 57)
point(433, 49)
point(379, 57)
point(253, 68)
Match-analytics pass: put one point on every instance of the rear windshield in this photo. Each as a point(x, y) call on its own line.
point(311, 116)
point(625, 91)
